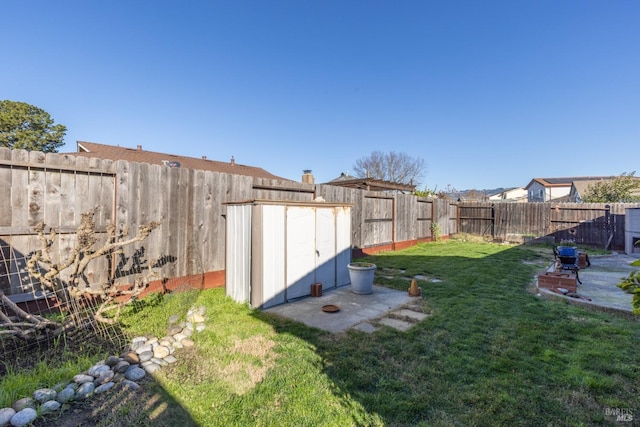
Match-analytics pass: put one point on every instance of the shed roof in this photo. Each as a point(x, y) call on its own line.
point(345, 180)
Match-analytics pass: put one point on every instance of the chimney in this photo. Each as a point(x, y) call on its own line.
point(139, 147)
point(233, 161)
point(307, 177)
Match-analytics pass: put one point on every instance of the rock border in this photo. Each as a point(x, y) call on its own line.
point(145, 355)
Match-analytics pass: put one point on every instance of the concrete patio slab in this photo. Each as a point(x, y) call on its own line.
point(354, 308)
point(398, 324)
point(600, 280)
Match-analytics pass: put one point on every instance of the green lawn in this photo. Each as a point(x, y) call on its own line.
point(490, 353)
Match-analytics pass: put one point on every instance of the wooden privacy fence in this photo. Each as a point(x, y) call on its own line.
point(596, 224)
point(189, 245)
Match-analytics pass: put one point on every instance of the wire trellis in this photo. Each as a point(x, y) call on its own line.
point(55, 322)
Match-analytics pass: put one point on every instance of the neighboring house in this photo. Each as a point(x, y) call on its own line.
point(113, 152)
point(516, 194)
point(580, 188)
point(555, 189)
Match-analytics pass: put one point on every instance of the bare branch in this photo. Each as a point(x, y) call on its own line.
point(112, 297)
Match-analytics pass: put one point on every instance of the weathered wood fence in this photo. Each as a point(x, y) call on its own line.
point(595, 224)
point(56, 189)
point(190, 243)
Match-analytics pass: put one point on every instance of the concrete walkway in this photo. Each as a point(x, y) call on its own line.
point(600, 280)
point(387, 306)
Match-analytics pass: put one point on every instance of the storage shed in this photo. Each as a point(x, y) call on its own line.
point(275, 250)
point(632, 231)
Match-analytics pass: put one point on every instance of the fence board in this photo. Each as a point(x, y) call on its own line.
point(6, 172)
point(220, 187)
point(424, 218)
point(19, 190)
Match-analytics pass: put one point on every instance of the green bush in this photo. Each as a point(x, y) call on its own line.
point(632, 285)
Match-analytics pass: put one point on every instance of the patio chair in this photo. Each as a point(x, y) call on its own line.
point(567, 262)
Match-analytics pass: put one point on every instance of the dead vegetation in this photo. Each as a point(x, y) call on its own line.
point(74, 289)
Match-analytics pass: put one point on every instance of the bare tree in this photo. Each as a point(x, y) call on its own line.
point(394, 167)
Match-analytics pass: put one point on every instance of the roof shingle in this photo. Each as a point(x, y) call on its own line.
point(113, 152)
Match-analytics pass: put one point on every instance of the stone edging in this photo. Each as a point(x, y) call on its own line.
point(144, 356)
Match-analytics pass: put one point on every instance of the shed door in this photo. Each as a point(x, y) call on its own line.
point(325, 247)
point(301, 254)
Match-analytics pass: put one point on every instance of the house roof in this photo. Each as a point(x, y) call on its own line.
point(581, 187)
point(346, 180)
point(566, 182)
point(114, 152)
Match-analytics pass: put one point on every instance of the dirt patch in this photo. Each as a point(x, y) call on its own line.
point(244, 365)
point(122, 407)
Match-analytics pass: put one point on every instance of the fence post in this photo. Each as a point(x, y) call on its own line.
point(609, 229)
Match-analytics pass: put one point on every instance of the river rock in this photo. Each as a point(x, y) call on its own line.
point(160, 362)
point(85, 390)
point(105, 377)
point(130, 384)
point(104, 387)
point(23, 417)
point(145, 355)
point(187, 343)
point(97, 370)
point(49, 406)
point(121, 366)
point(171, 359)
point(196, 318)
point(5, 415)
point(135, 374)
point(65, 395)
point(138, 340)
point(131, 357)
point(150, 367)
point(59, 386)
point(83, 378)
point(143, 348)
point(168, 340)
point(112, 361)
point(172, 330)
point(44, 394)
point(179, 337)
point(25, 402)
point(160, 352)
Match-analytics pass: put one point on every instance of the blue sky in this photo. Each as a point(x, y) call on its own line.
point(489, 93)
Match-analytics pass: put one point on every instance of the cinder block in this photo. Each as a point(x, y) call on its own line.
point(554, 281)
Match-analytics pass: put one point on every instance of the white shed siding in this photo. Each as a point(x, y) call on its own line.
point(238, 252)
point(291, 245)
point(632, 230)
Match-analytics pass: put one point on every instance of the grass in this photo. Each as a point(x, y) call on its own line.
point(490, 353)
